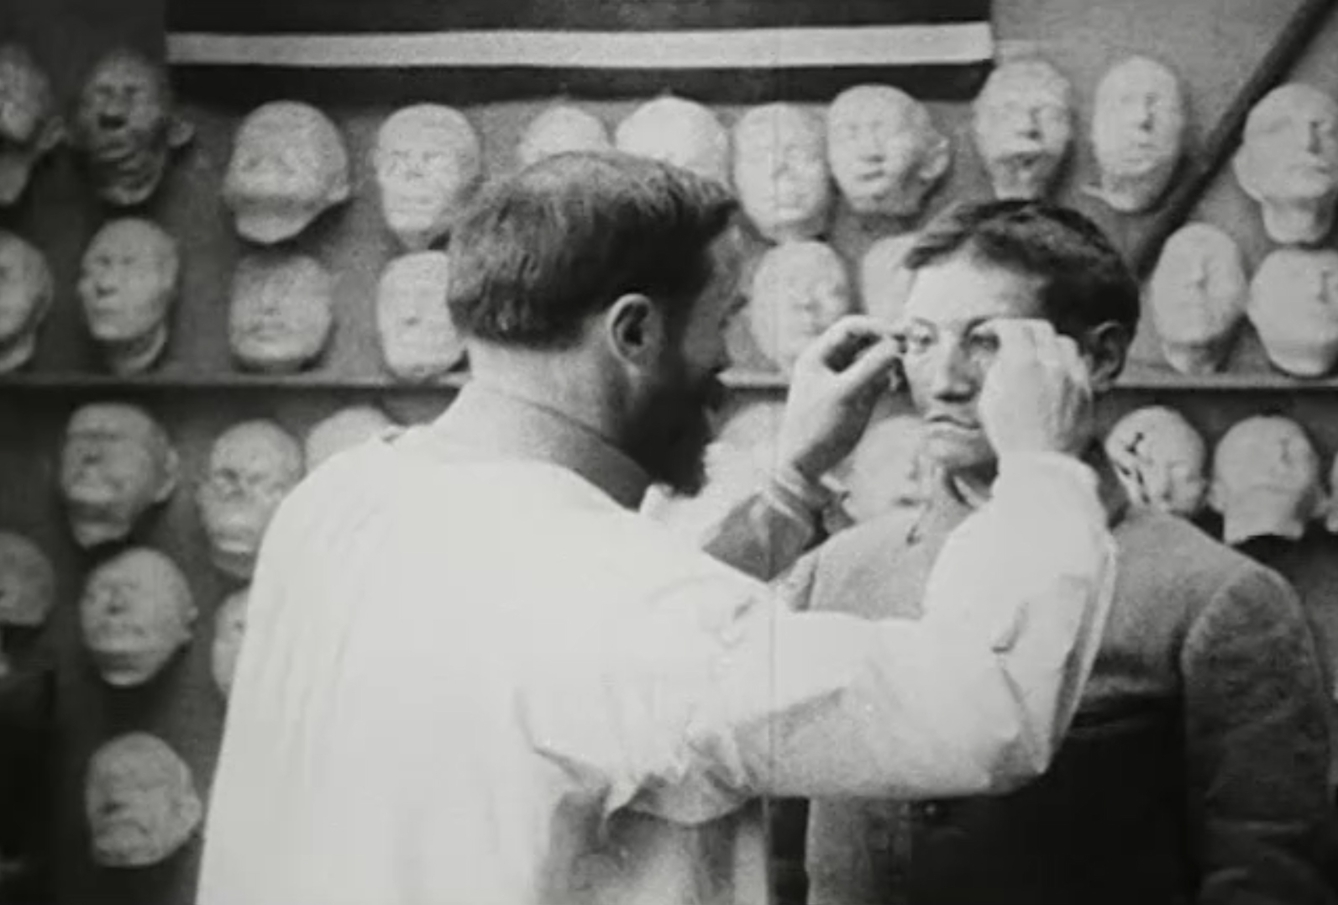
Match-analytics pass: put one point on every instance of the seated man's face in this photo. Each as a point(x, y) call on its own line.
point(135, 612)
point(126, 281)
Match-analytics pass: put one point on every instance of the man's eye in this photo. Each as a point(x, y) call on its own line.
point(919, 340)
point(982, 343)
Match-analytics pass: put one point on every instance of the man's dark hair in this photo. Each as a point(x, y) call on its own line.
point(541, 251)
point(1085, 281)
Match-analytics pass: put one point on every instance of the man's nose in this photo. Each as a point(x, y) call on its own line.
point(952, 377)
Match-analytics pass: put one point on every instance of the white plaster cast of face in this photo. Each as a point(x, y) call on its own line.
point(680, 132)
point(798, 290)
point(30, 125)
point(281, 313)
point(288, 166)
point(1266, 480)
point(26, 293)
point(560, 129)
point(1197, 295)
point(1160, 459)
point(884, 280)
point(115, 463)
point(428, 162)
point(780, 170)
point(418, 339)
point(27, 586)
point(1023, 126)
point(1294, 309)
point(252, 466)
point(135, 613)
point(1138, 131)
point(885, 153)
point(888, 470)
point(140, 801)
point(127, 285)
point(343, 430)
point(126, 128)
point(229, 630)
point(1288, 162)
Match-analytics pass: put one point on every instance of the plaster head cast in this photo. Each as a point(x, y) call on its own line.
point(1197, 297)
point(798, 290)
point(1161, 460)
point(229, 630)
point(428, 162)
point(885, 152)
point(560, 129)
point(1266, 480)
point(1288, 162)
point(125, 126)
point(30, 124)
point(883, 278)
point(888, 469)
point(343, 430)
point(418, 340)
point(288, 166)
point(680, 132)
point(1023, 123)
point(1138, 133)
point(27, 586)
point(116, 462)
point(281, 313)
point(140, 802)
point(26, 294)
point(252, 466)
point(135, 613)
point(127, 286)
point(780, 171)
point(1294, 308)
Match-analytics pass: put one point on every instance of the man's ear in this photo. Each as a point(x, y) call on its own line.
point(636, 331)
point(1106, 346)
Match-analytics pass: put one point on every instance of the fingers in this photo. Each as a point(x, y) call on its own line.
point(836, 346)
point(873, 366)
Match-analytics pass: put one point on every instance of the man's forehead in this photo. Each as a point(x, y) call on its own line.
point(965, 287)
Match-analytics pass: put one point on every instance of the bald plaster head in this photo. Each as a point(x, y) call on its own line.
point(30, 123)
point(418, 339)
point(1160, 460)
point(288, 166)
point(135, 613)
point(140, 801)
point(125, 127)
point(780, 171)
point(428, 161)
point(127, 286)
point(1197, 296)
point(252, 466)
point(559, 129)
point(27, 586)
point(884, 280)
point(888, 470)
point(885, 152)
point(1138, 132)
point(1294, 308)
point(281, 313)
point(116, 462)
point(26, 294)
point(1288, 162)
point(798, 290)
point(678, 131)
point(343, 430)
point(1023, 124)
point(1266, 480)
point(229, 630)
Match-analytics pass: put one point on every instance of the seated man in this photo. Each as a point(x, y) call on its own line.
point(1196, 766)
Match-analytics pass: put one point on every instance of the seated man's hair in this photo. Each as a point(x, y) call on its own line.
point(540, 251)
point(1085, 280)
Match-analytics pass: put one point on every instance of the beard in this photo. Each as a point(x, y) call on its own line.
point(670, 439)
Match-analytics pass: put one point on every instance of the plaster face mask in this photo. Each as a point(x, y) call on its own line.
point(127, 285)
point(345, 429)
point(140, 801)
point(418, 340)
point(1023, 126)
point(136, 612)
point(1266, 480)
point(428, 162)
point(799, 290)
point(1160, 460)
point(252, 466)
point(288, 166)
point(680, 132)
point(885, 153)
point(884, 280)
point(27, 586)
point(281, 313)
point(26, 293)
point(125, 127)
point(1288, 162)
point(1138, 131)
point(1294, 309)
point(780, 170)
point(229, 629)
point(1197, 296)
point(558, 130)
point(888, 470)
point(115, 463)
point(30, 125)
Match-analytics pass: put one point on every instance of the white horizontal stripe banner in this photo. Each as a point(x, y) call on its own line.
point(772, 48)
